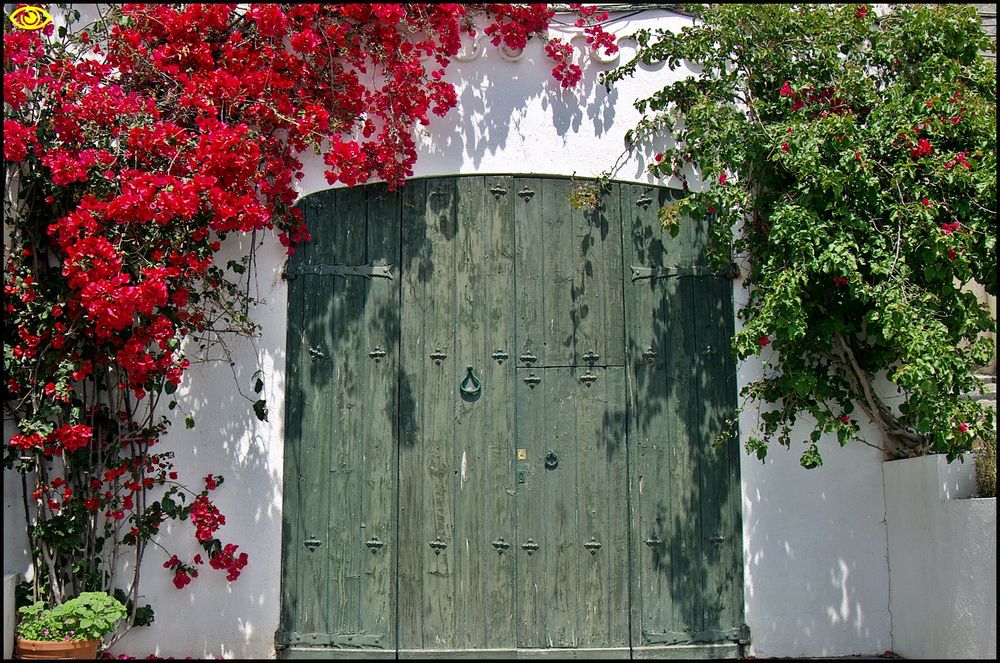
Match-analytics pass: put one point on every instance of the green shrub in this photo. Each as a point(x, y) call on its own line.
point(86, 617)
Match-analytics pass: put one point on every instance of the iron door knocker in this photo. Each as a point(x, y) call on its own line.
point(470, 387)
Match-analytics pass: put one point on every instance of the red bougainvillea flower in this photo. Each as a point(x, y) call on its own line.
point(786, 89)
point(763, 341)
point(962, 427)
point(145, 154)
point(922, 149)
point(862, 12)
point(722, 178)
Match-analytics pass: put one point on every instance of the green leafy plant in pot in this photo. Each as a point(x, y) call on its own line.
point(70, 630)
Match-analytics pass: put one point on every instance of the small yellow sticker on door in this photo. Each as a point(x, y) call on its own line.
point(522, 454)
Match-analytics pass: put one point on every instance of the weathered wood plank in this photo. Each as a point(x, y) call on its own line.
point(378, 441)
point(561, 313)
point(602, 515)
point(660, 343)
point(596, 293)
point(317, 422)
point(350, 390)
point(688, 652)
point(291, 514)
point(531, 268)
point(519, 654)
point(651, 598)
point(721, 532)
point(483, 487)
point(532, 589)
point(427, 580)
point(614, 278)
point(413, 273)
point(560, 509)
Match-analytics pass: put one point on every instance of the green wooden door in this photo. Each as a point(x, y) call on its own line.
point(456, 592)
point(498, 429)
point(340, 512)
point(687, 569)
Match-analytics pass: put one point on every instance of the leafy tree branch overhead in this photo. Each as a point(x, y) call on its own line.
point(132, 148)
point(850, 163)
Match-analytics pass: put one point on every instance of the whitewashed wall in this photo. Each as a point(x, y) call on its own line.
point(815, 541)
point(942, 560)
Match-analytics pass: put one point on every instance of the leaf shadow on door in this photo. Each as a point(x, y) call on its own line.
point(593, 224)
point(340, 419)
point(685, 490)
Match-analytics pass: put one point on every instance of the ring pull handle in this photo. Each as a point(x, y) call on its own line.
point(470, 387)
point(551, 460)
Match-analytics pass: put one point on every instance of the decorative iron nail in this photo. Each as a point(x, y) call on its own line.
point(374, 544)
point(526, 193)
point(530, 546)
point(500, 355)
point(438, 545)
point(588, 378)
point(377, 353)
point(437, 356)
point(643, 201)
point(532, 380)
point(312, 543)
point(437, 192)
point(528, 358)
point(653, 541)
point(709, 351)
point(649, 354)
point(717, 540)
point(593, 545)
point(500, 545)
point(591, 357)
point(497, 191)
point(315, 352)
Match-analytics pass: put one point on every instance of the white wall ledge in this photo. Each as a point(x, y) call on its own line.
point(942, 560)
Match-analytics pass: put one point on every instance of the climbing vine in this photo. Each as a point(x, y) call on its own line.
point(847, 162)
point(133, 148)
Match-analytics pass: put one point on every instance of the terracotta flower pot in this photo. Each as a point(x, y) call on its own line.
point(41, 650)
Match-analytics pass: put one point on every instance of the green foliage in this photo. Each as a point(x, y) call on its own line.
point(851, 160)
point(986, 467)
point(86, 617)
point(144, 615)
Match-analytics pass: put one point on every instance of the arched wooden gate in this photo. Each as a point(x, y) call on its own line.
point(499, 420)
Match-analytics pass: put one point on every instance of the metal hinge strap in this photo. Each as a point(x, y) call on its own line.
point(740, 635)
point(365, 271)
point(728, 272)
point(284, 640)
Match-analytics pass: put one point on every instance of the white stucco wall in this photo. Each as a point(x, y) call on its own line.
point(816, 578)
point(815, 541)
point(942, 560)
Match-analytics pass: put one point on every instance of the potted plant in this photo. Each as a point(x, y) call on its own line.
point(70, 630)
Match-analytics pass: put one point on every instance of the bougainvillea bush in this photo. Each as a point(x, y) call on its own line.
point(133, 148)
point(849, 164)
